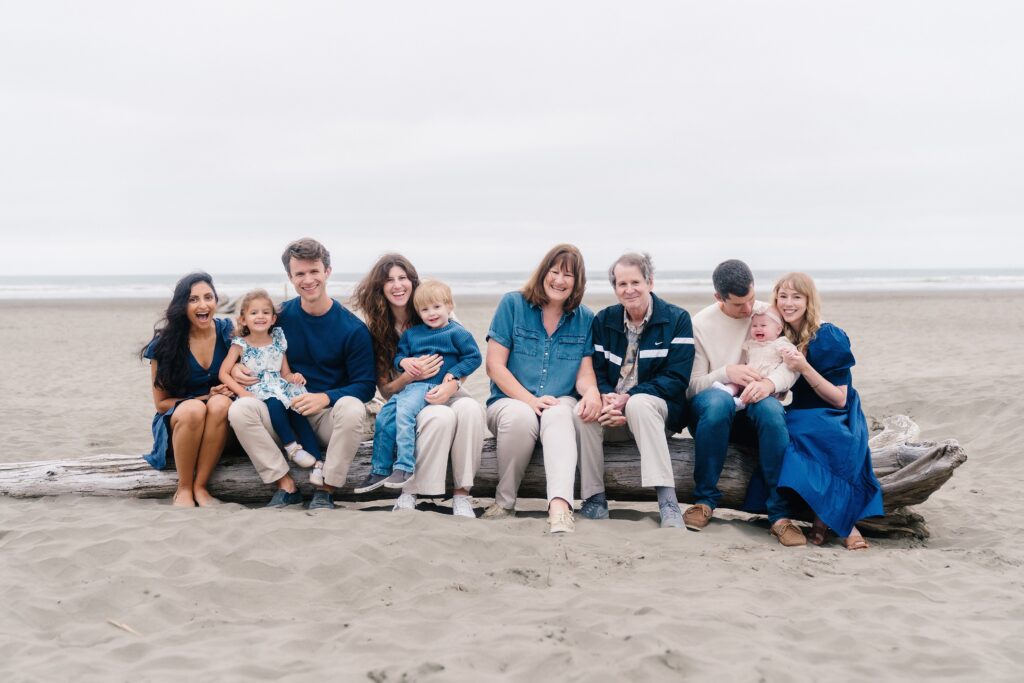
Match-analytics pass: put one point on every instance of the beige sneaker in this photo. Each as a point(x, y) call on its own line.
point(697, 516)
point(789, 534)
point(561, 523)
point(495, 511)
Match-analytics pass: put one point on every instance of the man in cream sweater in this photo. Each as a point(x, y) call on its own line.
point(719, 332)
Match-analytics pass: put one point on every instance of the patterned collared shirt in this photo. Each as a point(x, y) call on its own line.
point(628, 374)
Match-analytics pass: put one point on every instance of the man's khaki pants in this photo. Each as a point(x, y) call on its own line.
point(645, 422)
point(339, 428)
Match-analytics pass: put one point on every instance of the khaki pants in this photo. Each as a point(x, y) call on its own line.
point(645, 422)
point(339, 428)
point(456, 427)
point(516, 429)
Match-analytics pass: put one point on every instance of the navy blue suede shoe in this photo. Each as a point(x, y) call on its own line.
point(283, 499)
point(595, 507)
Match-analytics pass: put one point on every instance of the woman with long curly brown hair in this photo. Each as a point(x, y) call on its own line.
point(453, 422)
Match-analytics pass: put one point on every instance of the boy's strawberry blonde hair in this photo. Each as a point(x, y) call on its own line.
point(432, 292)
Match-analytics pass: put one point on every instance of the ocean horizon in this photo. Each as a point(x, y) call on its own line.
point(159, 286)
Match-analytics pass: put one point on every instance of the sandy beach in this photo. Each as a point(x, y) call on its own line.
point(118, 589)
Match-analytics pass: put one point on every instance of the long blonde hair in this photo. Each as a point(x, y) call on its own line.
point(803, 284)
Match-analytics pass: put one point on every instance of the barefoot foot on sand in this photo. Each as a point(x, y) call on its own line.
point(204, 499)
point(183, 499)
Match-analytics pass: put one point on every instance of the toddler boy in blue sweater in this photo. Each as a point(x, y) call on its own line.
point(437, 334)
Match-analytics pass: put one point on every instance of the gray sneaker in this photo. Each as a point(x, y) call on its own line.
point(397, 480)
point(671, 517)
point(371, 483)
point(322, 500)
point(595, 507)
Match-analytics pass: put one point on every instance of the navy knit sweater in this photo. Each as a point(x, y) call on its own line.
point(453, 341)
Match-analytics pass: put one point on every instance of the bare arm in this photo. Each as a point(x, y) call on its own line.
point(288, 375)
point(589, 407)
point(161, 399)
point(831, 394)
point(234, 353)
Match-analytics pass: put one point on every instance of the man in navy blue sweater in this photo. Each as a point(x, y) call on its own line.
point(643, 354)
point(332, 349)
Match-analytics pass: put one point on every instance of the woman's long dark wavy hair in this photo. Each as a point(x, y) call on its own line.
point(170, 334)
point(368, 297)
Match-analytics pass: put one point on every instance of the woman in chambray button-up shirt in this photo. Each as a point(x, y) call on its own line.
point(539, 350)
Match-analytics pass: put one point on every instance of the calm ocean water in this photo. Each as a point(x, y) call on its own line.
point(341, 284)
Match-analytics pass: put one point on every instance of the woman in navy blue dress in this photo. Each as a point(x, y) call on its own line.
point(827, 462)
point(185, 354)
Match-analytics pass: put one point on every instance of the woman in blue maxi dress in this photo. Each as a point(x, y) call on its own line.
point(828, 461)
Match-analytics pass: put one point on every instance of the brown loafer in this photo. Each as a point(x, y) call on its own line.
point(789, 534)
point(697, 516)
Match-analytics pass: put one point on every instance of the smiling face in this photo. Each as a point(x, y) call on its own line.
point(792, 304)
point(558, 283)
point(309, 278)
point(202, 304)
point(397, 287)
point(435, 314)
point(764, 328)
point(632, 290)
point(258, 315)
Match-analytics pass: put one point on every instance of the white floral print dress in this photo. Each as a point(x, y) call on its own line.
point(265, 363)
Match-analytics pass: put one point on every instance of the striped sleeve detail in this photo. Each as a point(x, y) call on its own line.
point(682, 340)
point(653, 353)
point(608, 355)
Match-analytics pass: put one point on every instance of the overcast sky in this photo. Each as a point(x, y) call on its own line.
point(159, 137)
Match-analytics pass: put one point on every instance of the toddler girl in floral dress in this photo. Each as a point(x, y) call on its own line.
point(260, 346)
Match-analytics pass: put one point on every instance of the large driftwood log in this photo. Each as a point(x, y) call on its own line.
point(908, 471)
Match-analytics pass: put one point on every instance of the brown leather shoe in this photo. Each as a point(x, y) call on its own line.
point(789, 534)
point(697, 516)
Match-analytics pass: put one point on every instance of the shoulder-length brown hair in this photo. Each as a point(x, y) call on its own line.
point(567, 257)
point(368, 297)
point(804, 284)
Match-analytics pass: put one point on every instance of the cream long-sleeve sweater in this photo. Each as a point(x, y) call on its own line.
point(718, 341)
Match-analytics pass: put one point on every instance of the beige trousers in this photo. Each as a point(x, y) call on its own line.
point(456, 427)
point(339, 428)
point(516, 429)
point(645, 422)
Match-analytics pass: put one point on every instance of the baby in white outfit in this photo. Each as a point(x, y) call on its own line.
point(763, 350)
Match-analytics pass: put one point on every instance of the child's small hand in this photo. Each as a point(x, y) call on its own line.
point(297, 378)
point(411, 366)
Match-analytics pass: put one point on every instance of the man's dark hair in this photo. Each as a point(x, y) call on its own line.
point(305, 249)
point(732, 277)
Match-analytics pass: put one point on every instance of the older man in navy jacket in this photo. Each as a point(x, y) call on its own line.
point(643, 354)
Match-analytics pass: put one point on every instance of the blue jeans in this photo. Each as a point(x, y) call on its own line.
point(291, 426)
point(394, 433)
point(714, 422)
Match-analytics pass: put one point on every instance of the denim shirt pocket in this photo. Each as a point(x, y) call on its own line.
point(525, 341)
point(570, 347)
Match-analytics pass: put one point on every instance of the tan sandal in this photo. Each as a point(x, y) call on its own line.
point(857, 542)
